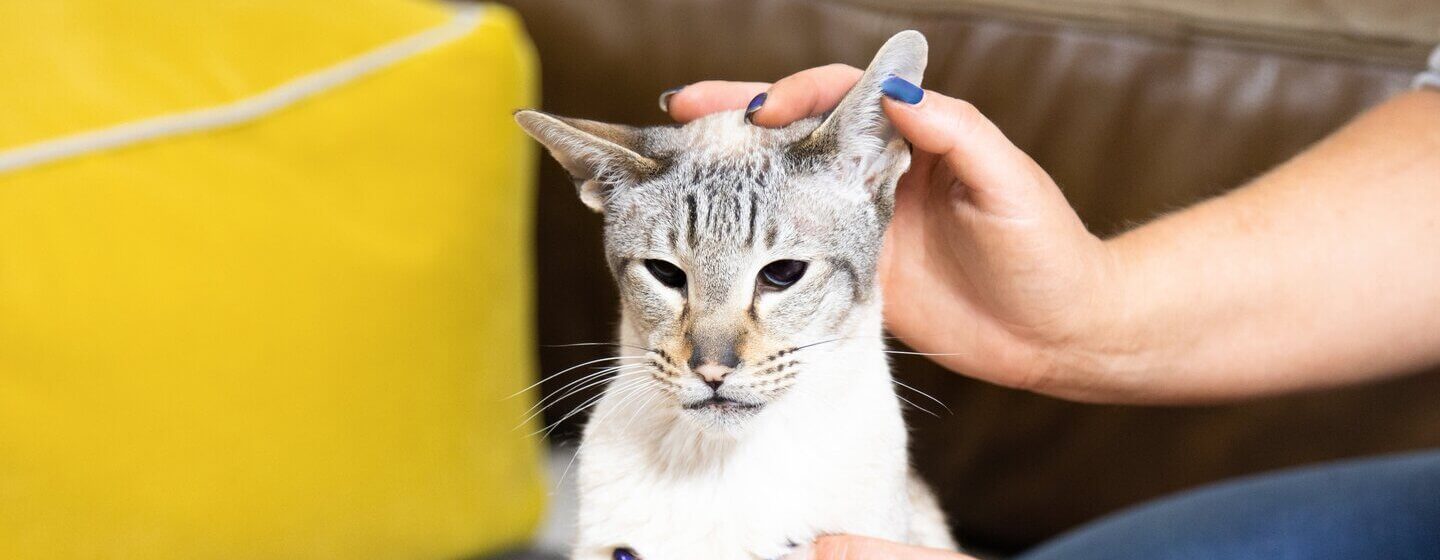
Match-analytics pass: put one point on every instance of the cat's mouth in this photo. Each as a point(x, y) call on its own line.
point(719, 403)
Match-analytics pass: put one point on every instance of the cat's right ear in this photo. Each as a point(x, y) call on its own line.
point(601, 157)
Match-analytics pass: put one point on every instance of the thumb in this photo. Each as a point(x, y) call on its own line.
point(999, 178)
point(845, 547)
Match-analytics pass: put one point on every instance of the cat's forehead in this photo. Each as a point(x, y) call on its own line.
point(729, 186)
point(721, 163)
point(721, 158)
point(724, 135)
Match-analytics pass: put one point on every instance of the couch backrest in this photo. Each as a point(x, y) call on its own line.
point(1136, 107)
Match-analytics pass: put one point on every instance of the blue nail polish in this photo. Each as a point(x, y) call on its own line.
point(665, 97)
point(900, 90)
point(755, 104)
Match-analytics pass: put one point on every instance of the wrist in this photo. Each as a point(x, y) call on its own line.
point(1113, 357)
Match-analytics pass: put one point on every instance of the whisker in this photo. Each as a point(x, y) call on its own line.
point(804, 346)
point(548, 429)
point(597, 378)
point(566, 390)
point(589, 403)
point(625, 393)
point(634, 390)
point(924, 394)
point(591, 375)
point(566, 370)
point(619, 376)
point(561, 481)
point(919, 353)
point(618, 372)
point(630, 396)
point(918, 407)
point(636, 412)
point(597, 344)
point(629, 391)
point(562, 390)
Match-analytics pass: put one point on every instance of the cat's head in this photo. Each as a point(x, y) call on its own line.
point(736, 246)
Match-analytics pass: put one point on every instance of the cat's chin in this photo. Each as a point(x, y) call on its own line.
point(721, 416)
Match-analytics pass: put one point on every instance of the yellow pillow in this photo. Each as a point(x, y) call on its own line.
point(264, 280)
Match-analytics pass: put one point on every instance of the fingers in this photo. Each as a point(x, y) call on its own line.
point(844, 547)
point(803, 94)
point(998, 176)
point(702, 98)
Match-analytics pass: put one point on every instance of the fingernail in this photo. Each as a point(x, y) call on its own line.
point(755, 105)
point(665, 97)
point(900, 90)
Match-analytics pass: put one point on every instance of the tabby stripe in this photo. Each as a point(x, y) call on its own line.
point(694, 218)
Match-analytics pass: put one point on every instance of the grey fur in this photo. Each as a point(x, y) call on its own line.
point(720, 199)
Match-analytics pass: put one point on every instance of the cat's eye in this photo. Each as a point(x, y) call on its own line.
point(668, 274)
point(782, 274)
point(624, 554)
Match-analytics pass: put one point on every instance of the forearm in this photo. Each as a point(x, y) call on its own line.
point(1323, 272)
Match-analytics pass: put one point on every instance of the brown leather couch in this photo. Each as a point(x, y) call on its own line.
point(1135, 106)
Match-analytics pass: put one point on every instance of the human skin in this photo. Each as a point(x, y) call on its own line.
point(845, 547)
point(1320, 273)
point(1323, 272)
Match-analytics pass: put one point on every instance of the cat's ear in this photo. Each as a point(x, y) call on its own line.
point(857, 131)
point(600, 156)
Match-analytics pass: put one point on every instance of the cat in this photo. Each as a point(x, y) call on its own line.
point(754, 408)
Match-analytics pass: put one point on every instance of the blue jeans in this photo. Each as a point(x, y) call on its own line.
point(1383, 508)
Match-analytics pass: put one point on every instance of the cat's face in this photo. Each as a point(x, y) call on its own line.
point(737, 254)
point(735, 247)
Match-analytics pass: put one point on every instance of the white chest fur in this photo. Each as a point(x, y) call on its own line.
point(830, 459)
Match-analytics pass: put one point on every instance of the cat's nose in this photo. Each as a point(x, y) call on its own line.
point(712, 362)
point(713, 373)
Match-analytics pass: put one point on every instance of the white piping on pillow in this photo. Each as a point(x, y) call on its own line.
point(465, 20)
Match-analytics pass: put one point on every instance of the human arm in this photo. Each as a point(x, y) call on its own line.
point(1322, 272)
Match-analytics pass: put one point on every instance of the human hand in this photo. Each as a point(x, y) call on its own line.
point(845, 547)
point(985, 263)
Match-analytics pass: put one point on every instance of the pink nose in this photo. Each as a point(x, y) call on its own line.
point(712, 372)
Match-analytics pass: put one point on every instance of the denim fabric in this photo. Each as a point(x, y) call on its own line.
point(1384, 508)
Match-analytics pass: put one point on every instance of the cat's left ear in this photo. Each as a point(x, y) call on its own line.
point(602, 157)
point(858, 134)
